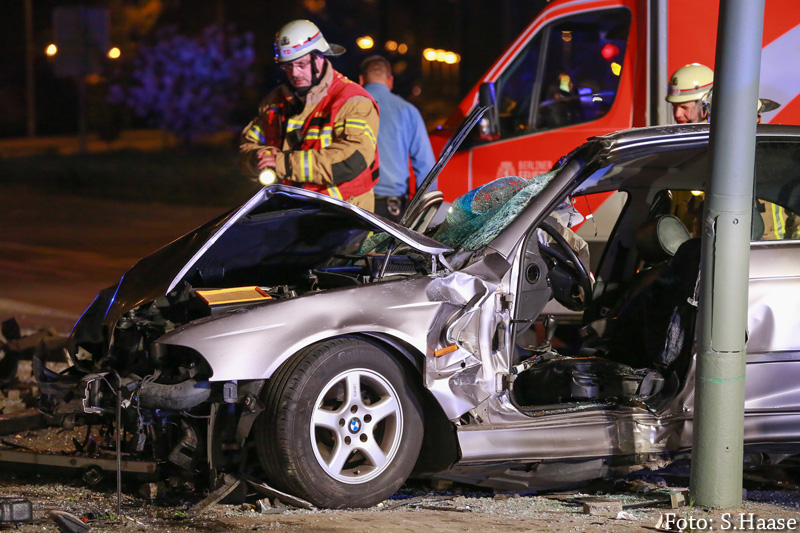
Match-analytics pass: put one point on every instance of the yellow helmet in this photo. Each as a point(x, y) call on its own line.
point(690, 82)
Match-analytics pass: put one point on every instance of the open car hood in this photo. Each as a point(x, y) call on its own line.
point(278, 220)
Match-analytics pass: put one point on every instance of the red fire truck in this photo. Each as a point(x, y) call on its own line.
point(590, 67)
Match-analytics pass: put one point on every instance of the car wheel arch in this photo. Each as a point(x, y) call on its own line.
point(440, 449)
point(320, 469)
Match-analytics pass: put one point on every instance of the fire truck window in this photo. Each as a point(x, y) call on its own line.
point(515, 89)
point(582, 68)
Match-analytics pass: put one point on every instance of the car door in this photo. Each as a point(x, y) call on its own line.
point(772, 396)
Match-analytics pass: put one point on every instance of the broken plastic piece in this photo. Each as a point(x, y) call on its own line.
point(446, 350)
point(229, 483)
point(68, 522)
point(265, 489)
point(15, 510)
point(230, 392)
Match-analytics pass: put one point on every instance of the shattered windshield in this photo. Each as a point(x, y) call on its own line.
point(479, 216)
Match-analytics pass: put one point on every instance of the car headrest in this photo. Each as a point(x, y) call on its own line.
point(757, 224)
point(659, 239)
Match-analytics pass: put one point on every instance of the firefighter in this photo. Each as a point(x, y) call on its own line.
point(686, 88)
point(318, 129)
point(764, 105)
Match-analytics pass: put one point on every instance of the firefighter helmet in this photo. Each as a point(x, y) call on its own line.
point(690, 82)
point(298, 38)
point(763, 105)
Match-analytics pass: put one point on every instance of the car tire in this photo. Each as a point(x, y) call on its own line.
point(332, 448)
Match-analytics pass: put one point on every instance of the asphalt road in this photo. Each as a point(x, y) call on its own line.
point(57, 251)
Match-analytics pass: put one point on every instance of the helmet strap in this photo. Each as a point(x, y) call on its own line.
point(316, 76)
point(704, 112)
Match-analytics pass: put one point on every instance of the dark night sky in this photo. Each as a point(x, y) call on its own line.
point(478, 30)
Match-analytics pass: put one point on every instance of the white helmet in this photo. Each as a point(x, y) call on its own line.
point(690, 82)
point(300, 37)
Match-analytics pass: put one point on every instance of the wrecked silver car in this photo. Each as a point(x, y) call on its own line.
point(331, 354)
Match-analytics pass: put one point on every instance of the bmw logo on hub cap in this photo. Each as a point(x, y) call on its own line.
point(354, 425)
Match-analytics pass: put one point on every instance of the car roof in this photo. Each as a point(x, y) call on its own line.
point(682, 132)
point(602, 150)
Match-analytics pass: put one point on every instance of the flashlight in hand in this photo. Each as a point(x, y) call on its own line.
point(267, 176)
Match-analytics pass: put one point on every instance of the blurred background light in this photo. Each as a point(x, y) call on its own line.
point(609, 51)
point(365, 42)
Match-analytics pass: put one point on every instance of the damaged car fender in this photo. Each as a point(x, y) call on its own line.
point(250, 343)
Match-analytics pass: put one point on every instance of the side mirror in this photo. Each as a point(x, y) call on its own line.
point(490, 124)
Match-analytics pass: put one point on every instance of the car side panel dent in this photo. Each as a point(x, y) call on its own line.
point(251, 343)
point(772, 321)
point(459, 380)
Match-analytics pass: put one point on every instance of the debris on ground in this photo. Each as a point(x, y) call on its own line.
point(602, 506)
point(69, 523)
point(228, 485)
point(84, 499)
point(14, 511)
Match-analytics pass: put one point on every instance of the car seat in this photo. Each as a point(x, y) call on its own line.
point(656, 242)
point(656, 325)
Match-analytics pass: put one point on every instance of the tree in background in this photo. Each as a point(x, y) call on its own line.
point(189, 86)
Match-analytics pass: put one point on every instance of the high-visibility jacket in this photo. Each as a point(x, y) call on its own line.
point(329, 147)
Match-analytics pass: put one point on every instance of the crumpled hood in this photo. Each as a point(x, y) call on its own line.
point(160, 272)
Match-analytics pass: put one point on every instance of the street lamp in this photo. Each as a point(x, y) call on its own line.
point(51, 50)
point(114, 53)
point(448, 75)
point(365, 42)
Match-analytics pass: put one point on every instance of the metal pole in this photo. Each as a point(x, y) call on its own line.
point(30, 78)
point(716, 476)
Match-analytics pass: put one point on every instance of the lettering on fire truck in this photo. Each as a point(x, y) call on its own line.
point(524, 169)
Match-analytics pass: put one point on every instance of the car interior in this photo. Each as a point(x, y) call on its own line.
point(636, 333)
point(636, 344)
point(636, 329)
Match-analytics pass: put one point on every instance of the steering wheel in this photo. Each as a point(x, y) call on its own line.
point(571, 283)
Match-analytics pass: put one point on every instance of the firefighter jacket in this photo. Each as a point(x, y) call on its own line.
point(329, 146)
